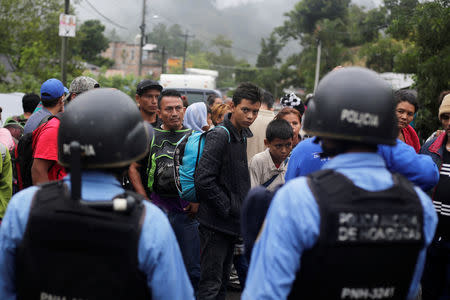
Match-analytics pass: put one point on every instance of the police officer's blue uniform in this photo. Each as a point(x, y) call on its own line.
point(158, 252)
point(401, 158)
point(292, 226)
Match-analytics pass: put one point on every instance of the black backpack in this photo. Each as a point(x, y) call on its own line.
point(24, 154)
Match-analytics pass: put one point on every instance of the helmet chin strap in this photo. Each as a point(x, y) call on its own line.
point(75, 170)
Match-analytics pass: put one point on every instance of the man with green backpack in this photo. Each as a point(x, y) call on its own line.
point(161, 182)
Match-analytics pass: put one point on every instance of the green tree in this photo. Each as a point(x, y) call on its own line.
point(196, 46)
point(381, 55)
point(176, 40)
point(126, 84)
point(222, 43)
point(364, 26)
point(270, 50)
point(429, 54)
point(169, 37)
point(309, 22)
point(199, 60)
point(266, 75)
point(224, 61)
point(90, 42)
point(29, 36)
point(113, 36)
point(306, 13)
point(399, 16)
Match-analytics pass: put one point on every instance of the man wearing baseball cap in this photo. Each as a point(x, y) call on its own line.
point(147, 93)
point(52, 95)
point(45, 164)
point(79, 85)
point(436, 279)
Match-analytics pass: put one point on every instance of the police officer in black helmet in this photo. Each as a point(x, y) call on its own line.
point(84, 237)
point(351, 230)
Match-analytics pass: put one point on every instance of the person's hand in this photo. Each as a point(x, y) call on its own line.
point(192, 209)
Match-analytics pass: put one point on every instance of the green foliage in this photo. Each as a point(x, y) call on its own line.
point(270, 80)
point(113, 36)
point(29, 36)
point(336, 24)
point(270, 49)
point(364, 26)
point(431, 54)
point(126, 84)
point(406, 61)
point(90, 42)
point(169, 37)
point(221, 42)
point(224, 61)
point(267, 78)
point(399, 17)
point(199, 60)
point(380, 56)
point(195, 46)
point(303, 18)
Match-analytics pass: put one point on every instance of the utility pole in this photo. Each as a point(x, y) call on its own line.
point(64, 48)
point(163, 59)
point(319, 50)
point(142, 27)
point(186, 36)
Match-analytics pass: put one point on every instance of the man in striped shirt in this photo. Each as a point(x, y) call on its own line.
point(436, 276)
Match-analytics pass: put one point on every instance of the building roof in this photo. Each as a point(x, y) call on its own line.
point(398, 80)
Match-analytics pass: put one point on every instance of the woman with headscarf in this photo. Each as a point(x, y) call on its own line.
point(196, 117)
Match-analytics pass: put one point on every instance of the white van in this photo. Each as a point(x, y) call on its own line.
point(11, 105)
point(187, 81)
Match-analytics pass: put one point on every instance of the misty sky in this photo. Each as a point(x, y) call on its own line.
point(245, 22)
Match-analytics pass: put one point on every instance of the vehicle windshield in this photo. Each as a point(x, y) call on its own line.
point(195, 97)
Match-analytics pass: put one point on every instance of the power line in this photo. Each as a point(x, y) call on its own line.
point(186, 36)
point(238, 67)
point(207, 38)
point(105, 17)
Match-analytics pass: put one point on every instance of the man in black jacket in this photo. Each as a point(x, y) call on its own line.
point(222, 182)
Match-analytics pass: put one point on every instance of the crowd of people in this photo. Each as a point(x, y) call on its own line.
point(328, 198)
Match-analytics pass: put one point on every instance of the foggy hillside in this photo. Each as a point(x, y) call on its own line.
point(245, 22)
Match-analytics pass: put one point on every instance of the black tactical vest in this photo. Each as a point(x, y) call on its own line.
point(73, 251)
point(368, 244)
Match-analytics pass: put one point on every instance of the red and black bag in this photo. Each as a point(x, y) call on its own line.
point(24, 155)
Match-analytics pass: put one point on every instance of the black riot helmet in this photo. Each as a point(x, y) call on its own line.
point(108, 127)
point(353, 104)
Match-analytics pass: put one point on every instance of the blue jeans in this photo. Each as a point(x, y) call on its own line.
point(186, 231)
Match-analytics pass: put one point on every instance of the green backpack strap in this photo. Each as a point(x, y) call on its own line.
point(151, 166)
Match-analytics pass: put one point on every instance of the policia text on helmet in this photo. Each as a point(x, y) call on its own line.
point(72, 235)
point(346, 113)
